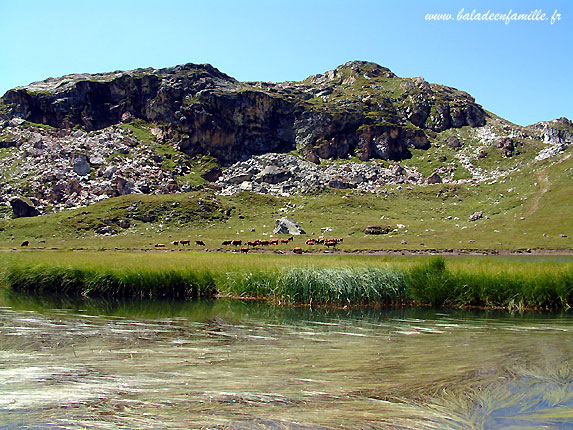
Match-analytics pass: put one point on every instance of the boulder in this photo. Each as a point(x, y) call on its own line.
point(8, 143)
point(454, 142)
point(434, 179)
point(286, 225)
point(239, 178)
point(340, 184)
point(123, 186)
point(212, 174)
point(476, 215)
point(274, 175)
point(81, 165)
point(310, 155)
point(109, 172)
point(507, 147)
point(22, 208)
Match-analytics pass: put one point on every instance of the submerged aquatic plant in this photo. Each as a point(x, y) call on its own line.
point(523, 398)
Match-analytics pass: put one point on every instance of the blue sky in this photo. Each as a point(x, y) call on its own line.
point(521, 71)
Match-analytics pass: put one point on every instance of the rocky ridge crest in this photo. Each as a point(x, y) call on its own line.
point(78, 139)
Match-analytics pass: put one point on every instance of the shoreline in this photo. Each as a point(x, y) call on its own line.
point(385, 252)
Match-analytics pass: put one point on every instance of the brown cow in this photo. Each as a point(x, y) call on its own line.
point(200, 243)
point(290, 239)
point(227, 242)
point(244, 249)
point(175, 242)
point(330, 242)
point(310, 242)
point(252, 243)
point(159, 245)
point(284, 240)
point(297, 250)
point(185, 242)
point(25, 243)
point(264, 242)
point(237, 242)
point(274, 241)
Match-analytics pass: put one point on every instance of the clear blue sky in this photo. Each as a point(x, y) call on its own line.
point(521, 71)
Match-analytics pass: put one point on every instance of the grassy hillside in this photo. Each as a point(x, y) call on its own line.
point(530, 207)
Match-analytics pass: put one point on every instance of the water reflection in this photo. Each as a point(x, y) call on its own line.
point(77, 364)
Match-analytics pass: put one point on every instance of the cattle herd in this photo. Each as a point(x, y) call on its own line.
point(245, 246)
point(322, 241)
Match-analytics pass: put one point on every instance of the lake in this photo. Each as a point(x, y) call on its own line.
point(228, 364)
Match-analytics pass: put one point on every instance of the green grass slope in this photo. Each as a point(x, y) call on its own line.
point(528, 208)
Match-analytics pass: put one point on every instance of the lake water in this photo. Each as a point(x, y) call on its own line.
point(226, 364)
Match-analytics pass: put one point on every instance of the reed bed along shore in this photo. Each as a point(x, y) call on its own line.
point(312, 280)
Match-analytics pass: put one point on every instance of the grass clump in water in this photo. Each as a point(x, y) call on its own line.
point(323, 286)
point(431, 283)
point(343, 286)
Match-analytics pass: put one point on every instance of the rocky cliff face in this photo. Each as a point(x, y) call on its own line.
point(359, 108)
point(74, 140)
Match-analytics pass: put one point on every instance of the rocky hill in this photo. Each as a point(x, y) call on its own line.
point(71, 141)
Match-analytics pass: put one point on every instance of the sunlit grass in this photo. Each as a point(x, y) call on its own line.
point(328, 280)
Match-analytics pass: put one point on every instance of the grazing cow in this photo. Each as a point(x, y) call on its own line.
point(264, 242)
point(320, 241)
point(185, 242)
point(290, 239)
point(237, 242)
point(339, 240)
point(25, 243)
point(159, 245)
point(244, 250)
point(284, 240)
point(310, 242)
point(297, 250)
point(227, 242)
point(200, 243)
point(175, 242)
point(330, 242)
point(252, 243)
point(274, 241)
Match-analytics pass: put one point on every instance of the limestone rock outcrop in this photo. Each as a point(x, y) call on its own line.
point(22, 208)
point(343, 112)
point(79, 139)
point(285, 225)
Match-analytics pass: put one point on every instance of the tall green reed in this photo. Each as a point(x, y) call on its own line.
point(434, 284)
point(323, 285)
point(117, 283)
point(429, 283)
